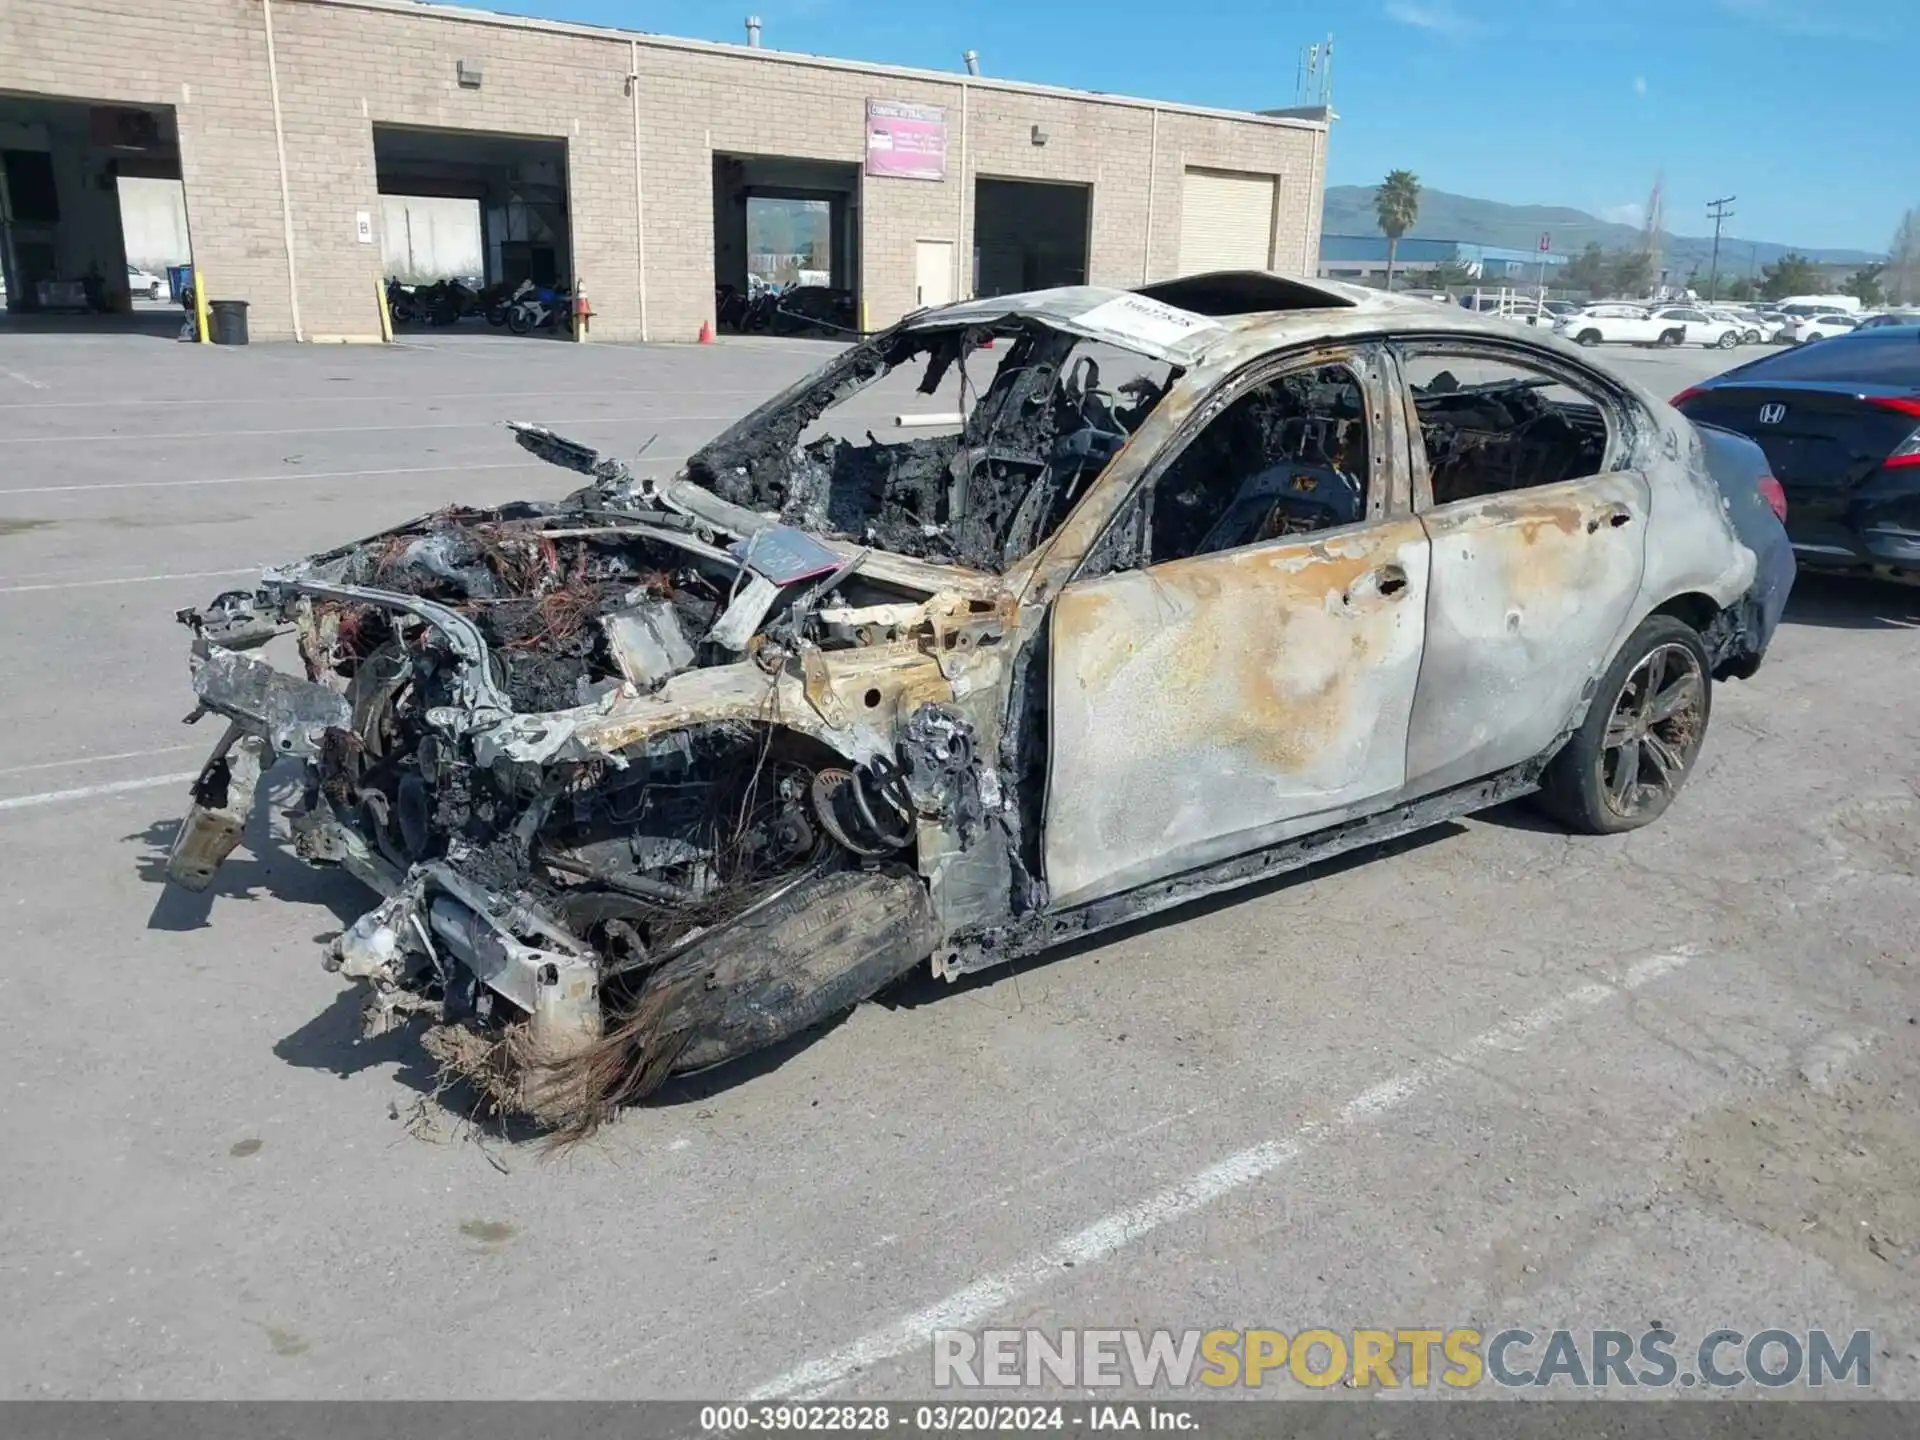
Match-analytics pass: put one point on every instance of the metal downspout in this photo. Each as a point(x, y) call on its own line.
point(639, 190)
point(286, 197)
point(962, 246)
point(1153, 165)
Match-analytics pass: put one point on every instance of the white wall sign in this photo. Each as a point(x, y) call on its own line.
point(363, 226)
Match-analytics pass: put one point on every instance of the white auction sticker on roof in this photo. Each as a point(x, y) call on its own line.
point(1135, 317)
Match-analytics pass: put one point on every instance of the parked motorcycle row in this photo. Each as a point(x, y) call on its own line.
point(820, 311)
point(817, 310)
point(522, 308)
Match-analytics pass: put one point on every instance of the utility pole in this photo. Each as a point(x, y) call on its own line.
point(1719, 211)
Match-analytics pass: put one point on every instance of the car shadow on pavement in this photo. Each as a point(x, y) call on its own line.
point(1522, 814)
point(1839, 602)
point(920, 987)
point(260, 868)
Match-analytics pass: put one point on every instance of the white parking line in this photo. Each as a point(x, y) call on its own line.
point(137, 438)
point(632, 392)
point(126, 580)
point(291, 474)
point(96, 759)
point(26, 380)
point(88, 792)
point(1108, 1236)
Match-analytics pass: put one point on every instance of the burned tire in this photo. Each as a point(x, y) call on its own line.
point(1671, 338)
point(1627, 761)
point(1588, 337)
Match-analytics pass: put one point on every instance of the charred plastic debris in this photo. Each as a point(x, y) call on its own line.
point(665, 771)
point(1504, 435)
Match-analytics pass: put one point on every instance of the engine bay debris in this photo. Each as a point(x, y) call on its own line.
point(663, 770)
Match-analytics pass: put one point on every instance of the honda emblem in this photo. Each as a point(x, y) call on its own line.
point(1772, 414)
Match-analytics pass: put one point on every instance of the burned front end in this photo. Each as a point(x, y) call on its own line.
point(665, 771)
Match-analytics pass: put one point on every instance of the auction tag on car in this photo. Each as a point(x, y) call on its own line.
point(1135, 317)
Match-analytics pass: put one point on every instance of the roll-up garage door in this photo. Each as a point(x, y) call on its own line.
point(1226, 221)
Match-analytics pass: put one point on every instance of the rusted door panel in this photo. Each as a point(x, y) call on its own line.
point(1210, 706)
point(1531, 591)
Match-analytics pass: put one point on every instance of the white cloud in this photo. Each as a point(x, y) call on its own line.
point(1639, 84)
point(1631, 213)
point(1438, 16)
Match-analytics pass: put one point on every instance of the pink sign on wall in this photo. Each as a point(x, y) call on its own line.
point(906, 142)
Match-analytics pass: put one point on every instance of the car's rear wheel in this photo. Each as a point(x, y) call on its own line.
point(1588, 337)
point(1627, 761)
point(1670, 338)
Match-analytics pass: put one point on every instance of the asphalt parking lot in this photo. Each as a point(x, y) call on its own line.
point(1499, 1076)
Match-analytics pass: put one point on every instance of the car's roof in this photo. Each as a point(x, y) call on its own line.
point(1224, 316)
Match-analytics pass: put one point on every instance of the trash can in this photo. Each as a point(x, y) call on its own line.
point(227, 319)
point(179, 281)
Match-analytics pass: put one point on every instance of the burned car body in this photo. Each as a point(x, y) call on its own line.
point(669, 769)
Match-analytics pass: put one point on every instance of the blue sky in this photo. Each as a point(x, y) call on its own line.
point(1797, 107)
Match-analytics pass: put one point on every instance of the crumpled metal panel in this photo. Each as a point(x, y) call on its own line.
point(1212, 705)
point(1533, 592)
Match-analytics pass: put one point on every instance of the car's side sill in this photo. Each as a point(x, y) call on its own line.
point(1032, 934)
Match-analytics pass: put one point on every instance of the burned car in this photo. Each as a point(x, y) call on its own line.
point(1207, 580)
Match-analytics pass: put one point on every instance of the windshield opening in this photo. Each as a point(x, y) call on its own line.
point(965, 444)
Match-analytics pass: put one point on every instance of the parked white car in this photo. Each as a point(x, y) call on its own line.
point(1746, 325)
point(144, 284)
point(1611, 324)
point(1805, 328)
point(1697, 327)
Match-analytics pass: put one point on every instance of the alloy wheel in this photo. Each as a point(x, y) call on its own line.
point(1654, 733)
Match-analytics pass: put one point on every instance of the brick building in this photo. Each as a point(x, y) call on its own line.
point(622, 160)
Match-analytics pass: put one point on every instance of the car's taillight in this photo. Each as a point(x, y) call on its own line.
point(1686, 395)
point(1906, 454)
point(1772, 492)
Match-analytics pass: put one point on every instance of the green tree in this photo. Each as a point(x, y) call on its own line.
point(1632, 273)
point(1447, 275)
point(1737, 288)
point(1864, 285)
point(1903, 261)
point(1396, 203)
point(1791, 274)
point(1589, 270)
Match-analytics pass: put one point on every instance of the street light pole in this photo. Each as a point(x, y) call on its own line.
point(1719, 211)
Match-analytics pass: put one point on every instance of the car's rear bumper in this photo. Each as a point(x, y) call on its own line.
point(1875, 536)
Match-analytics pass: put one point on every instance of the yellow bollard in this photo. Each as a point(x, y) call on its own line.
point(201, 322)
point(386, 312)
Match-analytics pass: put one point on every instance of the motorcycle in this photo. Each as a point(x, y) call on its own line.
point(546, 308)
point(444, 302)
point(401, 303)
point(500, 299)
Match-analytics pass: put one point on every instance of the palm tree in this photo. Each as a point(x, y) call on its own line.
point(1397, 204)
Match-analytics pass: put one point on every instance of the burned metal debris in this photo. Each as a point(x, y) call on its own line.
point(601, 754)
point(1041, 429)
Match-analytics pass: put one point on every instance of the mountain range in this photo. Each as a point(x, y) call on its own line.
point(1349, 211)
